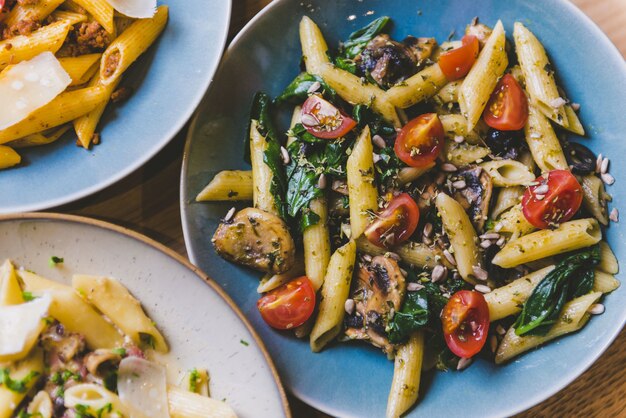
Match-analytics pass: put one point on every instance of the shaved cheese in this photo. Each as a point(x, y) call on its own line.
point(20, 326)
point(139, 9)
point(141, 385)
point(30, 85)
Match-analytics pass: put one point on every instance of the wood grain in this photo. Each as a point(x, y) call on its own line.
point(147, 201)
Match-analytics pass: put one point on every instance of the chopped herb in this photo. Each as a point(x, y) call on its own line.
point(121, 351)
point(244, 342)
point(106, 409)
point(28, 296)
point(571, 277)
point(364, 115)
point(18, 386)
point(82, 411)
point(346, 64)
point(194, 377)
point(54, 260)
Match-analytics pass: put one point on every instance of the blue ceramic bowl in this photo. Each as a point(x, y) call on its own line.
point(168, 83)
point(354, 379)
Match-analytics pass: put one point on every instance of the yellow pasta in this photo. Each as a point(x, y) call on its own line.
point(127, 47)
point(594, 197)
point(417, 88)
point(270, 282)
point(334, 294)
point(543, 143)
point(608, 261)
point(464, 153)
point(8, 157)
point(40, 138)
point(72, 18)
point(569, 236)
point(184, 404)
point(417, 254)
point(514, 222)
point(483, 77)
point(9, 400)
point(362, 190)
point(409, 174)
point(507, 198)
point(101, 11)
point(82, 68)
point(41, 405)
point(507, 173)
point(316, 243)
point(261, 173)
point(449, 93)
point(314, 47)
point(10, 290)
point(37, 11)
point(456, 125)
point(604, 282)
point(21, 48)
point(406, 376)
point(228, 185)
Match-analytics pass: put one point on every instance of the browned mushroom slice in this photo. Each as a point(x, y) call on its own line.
point(476, 195)
point(256, 239)
point(387, 61)
point(379, 290)
point(421, 48)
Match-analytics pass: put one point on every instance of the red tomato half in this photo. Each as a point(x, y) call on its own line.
point(323, 120)
point(420, 141)
point(396, 223)
point(456, 63)
point(465, 321)
point(289, 305)
point(1, 5)
point(507, 109)
point(555, 199)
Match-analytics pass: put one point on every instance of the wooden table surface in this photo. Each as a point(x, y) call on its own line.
point(147, 201)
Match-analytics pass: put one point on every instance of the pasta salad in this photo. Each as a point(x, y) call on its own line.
point(88, 350)
point(426, 199)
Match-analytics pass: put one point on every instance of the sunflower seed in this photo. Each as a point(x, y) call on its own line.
point(376, 158)
point(414, 287)
point(459, 139)
point(392, 255)
point(428, 230)
point(314, 87)
point(321, 182)
point(463, 363)
point(438, 273)
point(540, 196)
point(379, 141)
point(535, 135)
point(500, 242)
point(599, 163)
point(607, 178)
point(493, 343)
point(367, 258)
point(558, 102)
point(480, 273)
point(498, 227)
point(449, 168)
point(459, 184)
point(614, 215)
point(500, 330)
point(404, 272)
point(485, 244)
point(229, 214)
point(285, 155)
point(482, 288)
point(596, 309)
point(349, 306)
point(604, 167)
point(543, 189)
point(449, 257)
point(490, 235)
point(309, 120)
point(575, 106)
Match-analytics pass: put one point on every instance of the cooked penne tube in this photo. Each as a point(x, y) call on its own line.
point(272, 281)
point(538, 74)
point(72, 18)
point(507, 198)
point(417, 254)
point(608, 261)
point(133, 42)
point(461, 234)
point(101, 10)
point(32, 365)
point(508, 300)
point(456, 125)
point(573, 123)
point(514, 223)
point(507, 173)
point(314, 47)
point(115, 301)
point(63, 109)
point(184, 404)
point(604, 282)
point(82, 68)
point(10, 290)
point(449, 93)
point(362, 190)
point(8, 157)
point(407, 372)
point(543, 143)
point(20, 48)
point(594, 197)
point(40, 138)
point(464, 153)
point(334, 294)
point(36, 11)
point(417, 88)
point(409, 174)
point(93, 398)
point(228, 185)
point(569, 236)
point(573, 317)
point(261, 173)
point(479, 83)
point(316, 243)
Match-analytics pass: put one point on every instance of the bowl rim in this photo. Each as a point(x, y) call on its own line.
point(129, 233)
point(167, 137)
point(565, 379)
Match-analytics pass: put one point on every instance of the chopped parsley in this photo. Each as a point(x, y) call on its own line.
point(17, 386)
point(244, 342)
point(194, 377)
point(54, 260)
point(28, 296)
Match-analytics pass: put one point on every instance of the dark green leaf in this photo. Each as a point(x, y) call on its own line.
point(346, 64)
point(412, 317)
point(54, 260)
point(297, 91)
point(358, 39)
point(261, 112)
point(364, 115)
point(299, 131)
point(573, 276)
point(301, 183)
point(272, 157)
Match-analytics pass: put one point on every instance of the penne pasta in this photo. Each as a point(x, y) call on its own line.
point(417, 88)
point(72, 18)
point(228, 185)
point(406, 376)
point(316, 243)
point(479, 83)
point(271, 282)
point(362, 190)
point(608, 261)
point(464, 154)
point(10, 290)
point(507, 198)
point(82, 68)
point(604, 282)
point(184, 404)
point(507, 173)
point(261, 173)
point(409, 174)
point(594, 197)
point(41, 405)
point(449, 93)
point(514, 222)
point(543, 143)
point(8, 157)
point(455, 125)
point(22, 48)
point(569, 236)
point(40, 138)
point(314, 47)
point(36, 11)
point(334, 294)
point(101, 10)
point(32, 365)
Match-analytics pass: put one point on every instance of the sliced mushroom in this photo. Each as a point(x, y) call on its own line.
point(476, 195)
point(421, 48)
point(387, 61)
point(256, 239)
point(379, 290)
point(98, 361)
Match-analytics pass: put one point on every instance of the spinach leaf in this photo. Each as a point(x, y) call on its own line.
point(358, 39)
point(299, 131)
point(572, 277)
point(272, 157)
point(413, 316)
point(302, 181)
point(364, 115)
point(346, 64)
point(388, 166)
point(17, 386)
point(261, 112)
point(298, 90)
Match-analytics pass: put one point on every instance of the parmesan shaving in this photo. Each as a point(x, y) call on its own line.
point(20, 326)
point(139, 9)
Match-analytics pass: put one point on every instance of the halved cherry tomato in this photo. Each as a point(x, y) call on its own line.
point(323, 120)
point(396, 223)
point(465, 320)
point(507, 109)
point(555, 199)
point(289, 305)
point(1, 5)
point(420, 141)
point(456, 63)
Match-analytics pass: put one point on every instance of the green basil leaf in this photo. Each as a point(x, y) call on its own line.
point(412, 317)
point(298, 90)
point(358, 39)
